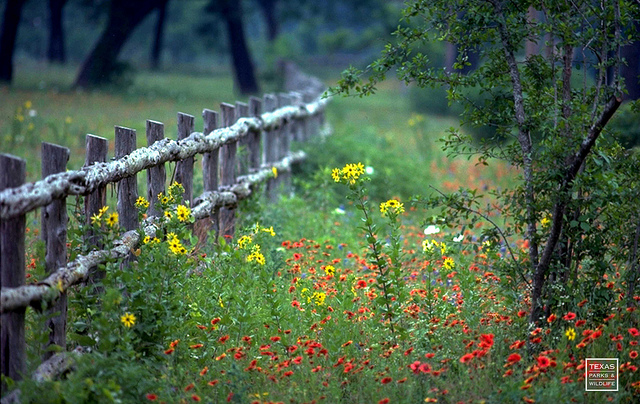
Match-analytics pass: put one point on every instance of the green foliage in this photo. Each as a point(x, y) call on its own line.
point(551, 115)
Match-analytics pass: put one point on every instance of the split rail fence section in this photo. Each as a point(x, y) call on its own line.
point(264, 128)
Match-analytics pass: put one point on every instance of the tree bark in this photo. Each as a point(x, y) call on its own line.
point(231, 11)
point(56, 52)
point(156, 50)
point(268, 8)
point(10, 23)
point(124, 16)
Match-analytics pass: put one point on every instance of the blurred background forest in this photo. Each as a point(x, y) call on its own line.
point(190, 51)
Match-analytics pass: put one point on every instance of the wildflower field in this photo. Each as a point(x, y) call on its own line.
point(348, 290)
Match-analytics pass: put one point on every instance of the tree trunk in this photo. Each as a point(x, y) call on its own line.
point(156, 50)
point(124, 16)
point(10, 23)
point(56, 53)
point(268, 8)
point(631, 71)
point(245, 78)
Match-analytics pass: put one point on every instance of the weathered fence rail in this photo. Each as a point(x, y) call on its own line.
point(263, 127)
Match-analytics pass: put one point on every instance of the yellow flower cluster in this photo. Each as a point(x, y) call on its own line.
point(141, 202)
point(349, 173)
point(149, 240)
point(392, 206)
point(111, 220)
point(183, 213)
point(175, 245)
point(317, 297)
point(256, 255)
point(244, 241)
point(428, 246)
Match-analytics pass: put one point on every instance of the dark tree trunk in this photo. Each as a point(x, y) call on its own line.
point(631, 71)
point(56, 53)
point(156, 50)
point(231, 11)
point(124, 16)
point(268, 8)
point(10, 22)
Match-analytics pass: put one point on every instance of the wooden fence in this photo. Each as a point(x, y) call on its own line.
point(263, 127)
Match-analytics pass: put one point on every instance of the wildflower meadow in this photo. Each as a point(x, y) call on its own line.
point(384, 308)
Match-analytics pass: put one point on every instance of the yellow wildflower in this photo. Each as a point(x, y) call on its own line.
point(168, 214)
point(141, 202)
point(330, 270)
point(392, 206)
point(183, 213)
point(448, 263)
point(274, 170)
point(27, 104)
point(244, 241)
point(269, 230)
point(570, 334)
point(112, 220)
point(128, 319)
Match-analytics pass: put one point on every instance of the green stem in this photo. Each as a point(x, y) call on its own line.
point(376, 253)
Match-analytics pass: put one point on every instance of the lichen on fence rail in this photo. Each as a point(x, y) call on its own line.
point(77, 270)
point(20, 200)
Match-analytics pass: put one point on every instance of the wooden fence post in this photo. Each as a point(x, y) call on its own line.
point(128, 187)
point(209, 176)
point(270, 146)
point(156, 176)
point(242, 111)
point(184, 168)
point(12, 272)
point(255, 154)
point(95, 152)
point(284, 145)
point(54, 234)
point(307, 124)
point(296, 125)
point(227, 169)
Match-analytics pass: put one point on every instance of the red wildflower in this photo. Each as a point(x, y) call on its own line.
point(223, 339)
point(466, 358)
point(513, 358)
point(275, 338)
point(522, 313)
point(634, 332)
point(297, 256)
point(169, 351)
point(174, 343)
point(361, 284)
point(569, 316)
point(288, 373)
point(215, 321)
point(195, 397)
point(204, 371)
point(487, 340)
point(384, 401)
point(213, 382)
point(551, 318)
point(386, 380)
point(195, 346)
point(189, 387)
point(543, 362)
point(633, 354)
point(152, 397)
